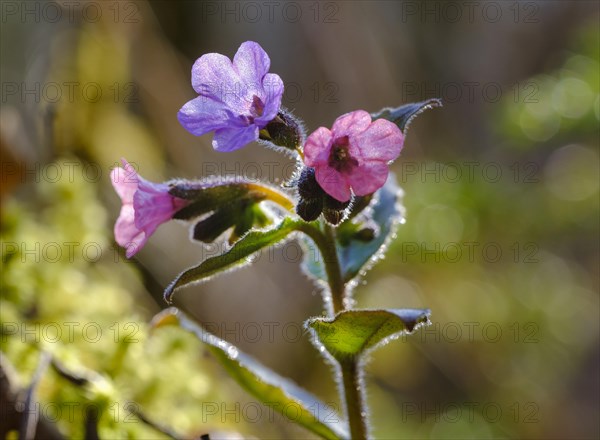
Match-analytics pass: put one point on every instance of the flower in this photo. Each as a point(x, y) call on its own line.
point(353, 155)
point(146, 205)
point(236, 99)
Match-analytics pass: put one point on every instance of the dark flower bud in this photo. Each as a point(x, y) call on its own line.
point(333, 217)
point(210, 228)
point(334, 211)
point(308, 188)
point(283, 131)
point(309, 210)
point(334, 204)
point(313, 200)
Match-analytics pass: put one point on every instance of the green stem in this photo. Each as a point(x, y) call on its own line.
point(334, 271)
point(325, 241)
point(351, 387)
point(355, 399)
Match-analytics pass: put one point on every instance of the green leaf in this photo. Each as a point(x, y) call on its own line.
point(402, 116)
point(267, 386)
point(236, 256)
point(354, 252)
point(353, 332)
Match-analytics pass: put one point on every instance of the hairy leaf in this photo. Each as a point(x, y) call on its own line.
point(267, 386)
point(402, 116)
point(237, 255)
point(353, 332)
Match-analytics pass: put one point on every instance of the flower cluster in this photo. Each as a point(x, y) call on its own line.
point(240, 101)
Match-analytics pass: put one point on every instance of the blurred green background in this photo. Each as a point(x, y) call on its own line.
point(500, 241)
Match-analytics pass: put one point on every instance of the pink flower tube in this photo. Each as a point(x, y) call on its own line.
point(146, 205)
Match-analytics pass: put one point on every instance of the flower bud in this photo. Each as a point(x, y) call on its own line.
point(313, 200)
point(283, 131)
point(308, 188)
point(309, 210)
point(334, 211)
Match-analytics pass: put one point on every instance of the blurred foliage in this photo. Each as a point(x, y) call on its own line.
point(508, 263)
point(66, 290)
point(559, 103)
point(104, 112)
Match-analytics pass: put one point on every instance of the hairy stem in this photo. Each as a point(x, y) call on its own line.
point(325, 241)
point(355, 399)
point(351, 392)
point(334, 271)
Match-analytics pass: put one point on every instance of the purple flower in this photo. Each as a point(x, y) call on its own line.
point(353, 155)
point(146, 206)
point(236, 99)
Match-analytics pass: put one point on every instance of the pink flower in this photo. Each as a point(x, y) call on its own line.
point(146, 206)
point(353, 155)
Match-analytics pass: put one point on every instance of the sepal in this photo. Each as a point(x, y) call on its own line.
point(284, 131)
point(222, 206)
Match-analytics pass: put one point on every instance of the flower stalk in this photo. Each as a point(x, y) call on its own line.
point(351, 389)
point(350, 386)
point(354, 396)
point(325, 241)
